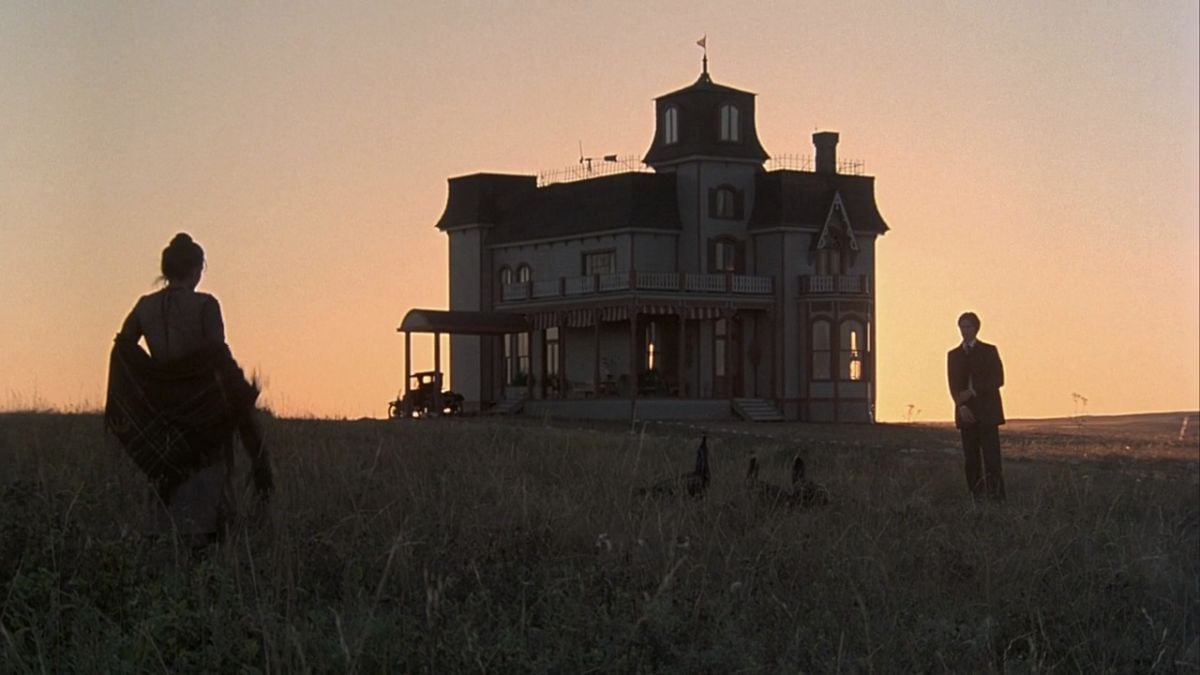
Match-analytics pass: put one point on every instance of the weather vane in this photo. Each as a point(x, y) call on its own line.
point(703, 44)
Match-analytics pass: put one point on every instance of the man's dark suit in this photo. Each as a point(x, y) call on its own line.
point(979, 369)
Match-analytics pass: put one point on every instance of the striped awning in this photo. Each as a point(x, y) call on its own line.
point(587, 317)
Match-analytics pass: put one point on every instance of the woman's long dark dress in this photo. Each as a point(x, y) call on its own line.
point(176, 409)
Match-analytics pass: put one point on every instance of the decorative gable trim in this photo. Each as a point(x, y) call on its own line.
point(837, 216)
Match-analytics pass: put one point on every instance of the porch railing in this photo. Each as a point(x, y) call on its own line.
point(637, 281)
point(825, 283)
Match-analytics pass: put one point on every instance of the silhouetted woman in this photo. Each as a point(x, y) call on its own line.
point(176, 410)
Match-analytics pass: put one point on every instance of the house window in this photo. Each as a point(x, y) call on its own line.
point(671, 126)
point(851, 351)
point(724, 255)
point(726, 203)
point(510, 370)
point(599, 262)
point(829, 262)
point(522, 374)
point(523, 274)
point(505, 278)
point(730, 123)
point(720, 346)
point(821, 355)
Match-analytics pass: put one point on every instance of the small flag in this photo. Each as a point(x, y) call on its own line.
point(703, 42)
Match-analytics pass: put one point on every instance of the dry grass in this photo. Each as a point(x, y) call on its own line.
point(452, 546)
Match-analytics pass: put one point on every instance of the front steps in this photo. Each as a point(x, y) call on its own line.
point(756, 410)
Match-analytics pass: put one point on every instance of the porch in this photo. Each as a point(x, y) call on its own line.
point(640, 351)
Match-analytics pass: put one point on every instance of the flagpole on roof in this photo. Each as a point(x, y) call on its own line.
point(703, 43)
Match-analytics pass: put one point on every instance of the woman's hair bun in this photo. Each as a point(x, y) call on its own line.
point(181, 258)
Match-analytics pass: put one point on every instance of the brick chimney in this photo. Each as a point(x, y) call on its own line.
point(826, 143)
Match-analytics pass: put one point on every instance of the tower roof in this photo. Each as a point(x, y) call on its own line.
point(705, 119)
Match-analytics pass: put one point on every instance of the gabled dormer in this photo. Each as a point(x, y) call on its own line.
point(705, 120)
point(836, 246)
point(838, 232)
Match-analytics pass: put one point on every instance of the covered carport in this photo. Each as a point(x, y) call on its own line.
point(438, 322)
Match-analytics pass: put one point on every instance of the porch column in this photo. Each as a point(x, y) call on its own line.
point(562, 360)
point(680, 360)
point(773, 370)
point(529, 369)
point(595, 353)
point(727, 314)
point(437, 369)
point(634, 366)
point(870, 360)
point(836, 343)
point(404, 412)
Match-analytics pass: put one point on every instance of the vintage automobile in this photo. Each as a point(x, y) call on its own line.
point(420, 401)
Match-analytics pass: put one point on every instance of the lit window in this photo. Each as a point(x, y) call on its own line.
point(730, 124)
point(651, 345)
point(851, 351)
point(671, 126)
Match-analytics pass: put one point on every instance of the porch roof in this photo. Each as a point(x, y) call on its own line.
point(463, 323)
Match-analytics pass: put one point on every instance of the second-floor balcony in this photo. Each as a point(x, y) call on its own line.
point(667, 282)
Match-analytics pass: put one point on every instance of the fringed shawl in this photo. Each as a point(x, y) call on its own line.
point(175, 418)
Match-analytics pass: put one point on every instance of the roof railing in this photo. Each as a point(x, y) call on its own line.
point(791, 162)
point(608, 165)
point(593, 167)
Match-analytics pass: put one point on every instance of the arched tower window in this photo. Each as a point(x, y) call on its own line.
point(671, 126)
point(506, 276)
point(726, 203)
point(524, 274)
point(730, 123)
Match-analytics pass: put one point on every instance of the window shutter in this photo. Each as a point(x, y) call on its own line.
point(739, 260)
point(712, 203)
point(712, 256)
point(738, 199)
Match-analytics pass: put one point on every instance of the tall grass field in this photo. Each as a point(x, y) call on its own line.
point(514, 546)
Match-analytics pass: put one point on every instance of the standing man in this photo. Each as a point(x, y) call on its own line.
point(976, 375)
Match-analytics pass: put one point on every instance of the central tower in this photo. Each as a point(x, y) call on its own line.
point(705, 134)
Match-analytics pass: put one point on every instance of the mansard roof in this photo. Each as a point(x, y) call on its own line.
point(606, 203)
point(481, 198)
point(803, 199)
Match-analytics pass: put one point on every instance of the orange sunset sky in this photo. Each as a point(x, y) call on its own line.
point(1037, 162)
